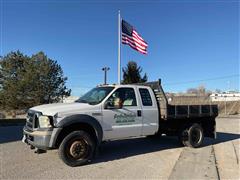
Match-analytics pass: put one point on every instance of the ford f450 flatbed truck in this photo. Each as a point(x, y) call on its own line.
point(112, 112)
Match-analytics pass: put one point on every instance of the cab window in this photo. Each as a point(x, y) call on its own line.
point(146, 97)
point(125, 95)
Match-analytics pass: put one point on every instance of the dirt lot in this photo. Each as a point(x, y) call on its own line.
point(129, 159)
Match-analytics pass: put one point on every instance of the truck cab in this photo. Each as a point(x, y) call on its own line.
point(129, 111)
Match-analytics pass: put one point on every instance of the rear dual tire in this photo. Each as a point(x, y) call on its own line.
point(191, 135)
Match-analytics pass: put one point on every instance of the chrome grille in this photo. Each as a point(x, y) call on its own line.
point(32, 119)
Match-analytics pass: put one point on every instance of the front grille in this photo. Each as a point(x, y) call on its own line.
point(32, 119)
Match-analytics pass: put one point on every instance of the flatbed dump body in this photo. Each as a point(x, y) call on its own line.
point(170, 111)
point(173, 119)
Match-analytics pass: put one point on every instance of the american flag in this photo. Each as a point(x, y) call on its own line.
point(132, 38)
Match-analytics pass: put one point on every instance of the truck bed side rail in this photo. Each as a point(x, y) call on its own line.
point(190, 111)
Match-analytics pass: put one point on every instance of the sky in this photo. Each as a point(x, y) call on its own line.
point(191, 43)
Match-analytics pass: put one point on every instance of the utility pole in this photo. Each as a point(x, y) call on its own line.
point(105, 69)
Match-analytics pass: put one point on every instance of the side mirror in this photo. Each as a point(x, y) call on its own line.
point(119, 105)
point(108, 105)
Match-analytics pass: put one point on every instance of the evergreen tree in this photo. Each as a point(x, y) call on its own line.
point(29, 81)
point(132, 74)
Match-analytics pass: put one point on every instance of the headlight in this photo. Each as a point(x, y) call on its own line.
point(44, 122)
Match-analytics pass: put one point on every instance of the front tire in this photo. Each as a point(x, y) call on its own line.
point(192, 136)
point(77, 148)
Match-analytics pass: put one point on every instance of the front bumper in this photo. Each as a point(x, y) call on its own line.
point(41, 139)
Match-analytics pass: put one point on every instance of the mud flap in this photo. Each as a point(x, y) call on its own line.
point(215, 132)
point(24, 139)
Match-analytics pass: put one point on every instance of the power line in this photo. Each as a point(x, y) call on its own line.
point(81, 87)
point(203, 80)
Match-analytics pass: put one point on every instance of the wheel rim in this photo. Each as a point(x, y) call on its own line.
point(196, 135)
point(78, 149)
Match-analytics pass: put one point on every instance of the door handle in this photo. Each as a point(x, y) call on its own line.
point(139, 113)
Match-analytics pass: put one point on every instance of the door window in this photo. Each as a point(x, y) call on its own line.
point(125, 95)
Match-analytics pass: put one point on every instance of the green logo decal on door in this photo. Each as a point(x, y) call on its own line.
point(124, 118)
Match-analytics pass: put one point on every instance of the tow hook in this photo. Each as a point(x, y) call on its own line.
point(39, 151)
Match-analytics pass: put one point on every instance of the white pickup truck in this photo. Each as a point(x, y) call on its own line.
point(112, 112)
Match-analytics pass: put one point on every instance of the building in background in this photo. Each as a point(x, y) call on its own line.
point(225, 96)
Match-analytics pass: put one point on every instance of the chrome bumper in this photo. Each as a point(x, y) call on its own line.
point(38, 139)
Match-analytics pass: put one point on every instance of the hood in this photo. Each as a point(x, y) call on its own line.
point(61, 108)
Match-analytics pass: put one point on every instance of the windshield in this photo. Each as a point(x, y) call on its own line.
point(95, 96)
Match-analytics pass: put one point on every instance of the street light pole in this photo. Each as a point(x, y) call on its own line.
point(105, 69)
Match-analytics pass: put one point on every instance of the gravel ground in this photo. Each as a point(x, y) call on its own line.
point(140, 158)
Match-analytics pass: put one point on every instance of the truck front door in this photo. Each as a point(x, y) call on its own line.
point(126, 121)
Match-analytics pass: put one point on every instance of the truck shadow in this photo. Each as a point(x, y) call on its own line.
point(132, 147)
point(121, 149)
point(224, 137)
point(221, 138)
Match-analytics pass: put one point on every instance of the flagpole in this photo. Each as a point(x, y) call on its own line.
point(119, 48)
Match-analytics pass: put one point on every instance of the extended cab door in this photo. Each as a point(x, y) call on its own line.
point(150, 112)
point(126, 121)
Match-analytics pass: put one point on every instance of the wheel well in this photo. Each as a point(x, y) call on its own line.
point(207, 124)
point(75, 127)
